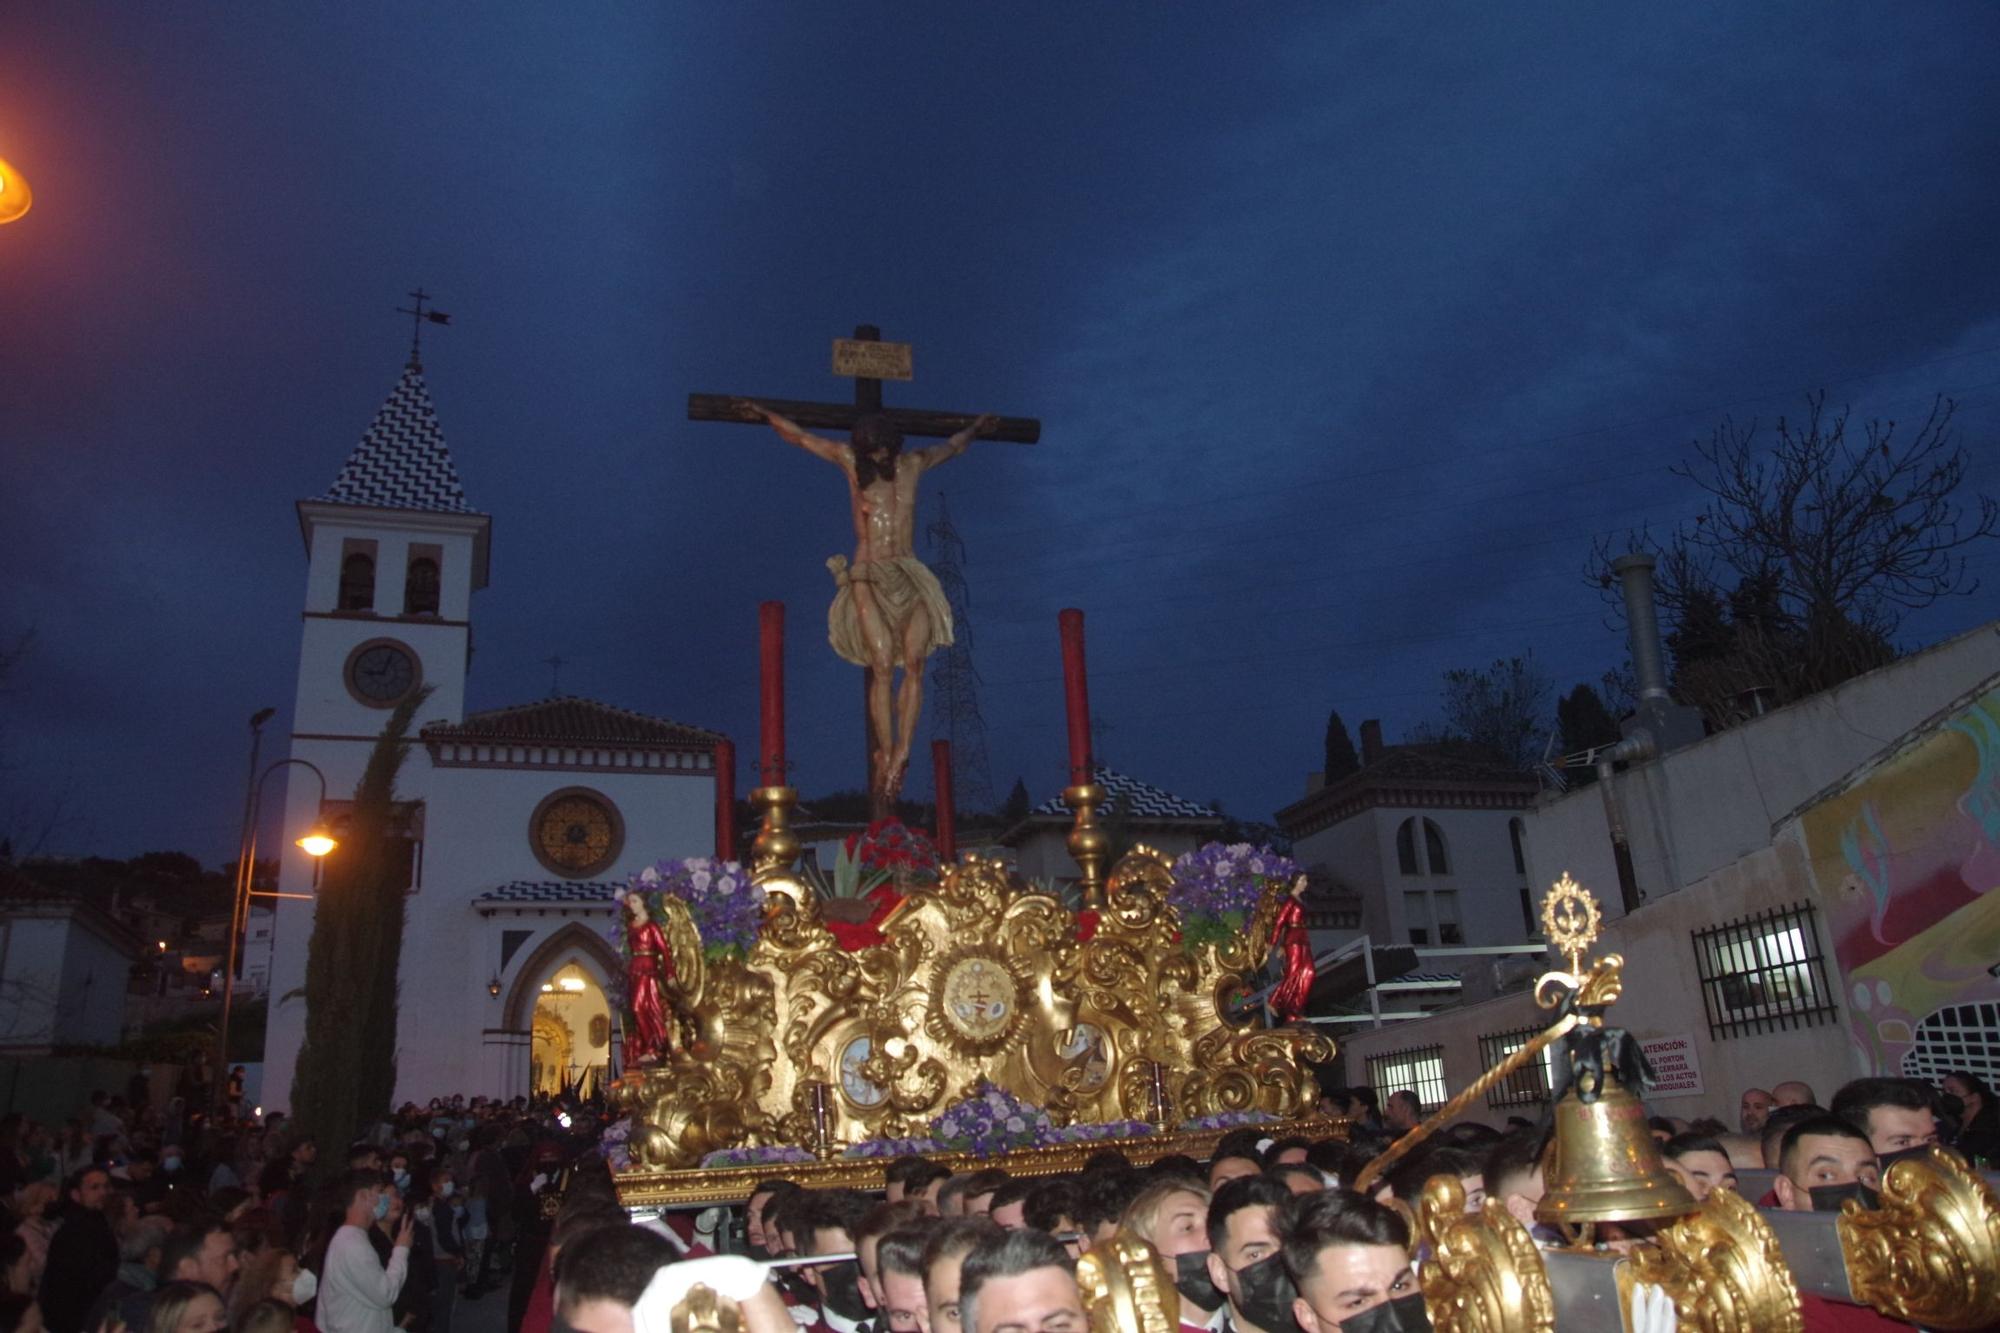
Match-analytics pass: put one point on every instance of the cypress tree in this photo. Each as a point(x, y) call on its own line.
point(1340, 757)
point(346, 1072)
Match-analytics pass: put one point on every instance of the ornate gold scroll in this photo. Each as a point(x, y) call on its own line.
point(1128, 1288)
point(975, 979)
point(1931, 1253)
point(1484, 1274)
point(1722, 1268)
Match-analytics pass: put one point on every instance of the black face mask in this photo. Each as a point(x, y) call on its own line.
point(1191, 1280)
point(758, 1252)
point(1828, 1198)
point(1264, 1294)
point(843, 1291)
point(1405, 1314)
point(1889, 1159)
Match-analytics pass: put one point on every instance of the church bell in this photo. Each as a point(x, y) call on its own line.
point(1603, 1165)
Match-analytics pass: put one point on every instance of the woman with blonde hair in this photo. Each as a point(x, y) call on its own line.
point(1171, 1215)
point(186, 1307)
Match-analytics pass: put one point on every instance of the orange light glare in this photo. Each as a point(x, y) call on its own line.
point(15, 196)
point(318, 842)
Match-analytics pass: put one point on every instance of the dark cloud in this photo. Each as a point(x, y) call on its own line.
point(1350, 328)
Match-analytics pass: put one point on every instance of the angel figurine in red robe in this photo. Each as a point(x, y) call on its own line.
point(648, 975)
point(1288, 932)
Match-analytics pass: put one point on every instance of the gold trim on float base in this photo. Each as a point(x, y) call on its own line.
point(1931, 1253)
point(699, 1187)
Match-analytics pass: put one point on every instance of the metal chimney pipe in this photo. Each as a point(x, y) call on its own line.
point(1635, 572)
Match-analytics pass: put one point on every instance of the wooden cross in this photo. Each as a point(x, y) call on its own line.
point(911, 421)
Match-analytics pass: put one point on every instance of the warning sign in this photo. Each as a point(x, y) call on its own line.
point(1677, 1065)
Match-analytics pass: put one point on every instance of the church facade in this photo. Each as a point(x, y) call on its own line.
point(519, 822)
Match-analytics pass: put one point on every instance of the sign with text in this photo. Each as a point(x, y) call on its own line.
point(862, 359)
point(1676, 1063)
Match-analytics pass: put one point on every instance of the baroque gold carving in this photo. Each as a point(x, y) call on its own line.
point(904, 1028)
point(1722, 1268)
point(1931, 1253)
point(1128, 1288)
point(1484, 1274)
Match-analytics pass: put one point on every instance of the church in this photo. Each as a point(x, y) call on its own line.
point(520, 822)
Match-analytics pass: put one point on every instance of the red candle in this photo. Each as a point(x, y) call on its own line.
point(1076, 695)
point(947, 810)
point(771, 717)
point(725, 799)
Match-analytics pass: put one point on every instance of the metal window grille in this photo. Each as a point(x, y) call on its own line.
point(1764, 973)
point(1955, 1038)
point(1420, 1069)
point(1526, 1086)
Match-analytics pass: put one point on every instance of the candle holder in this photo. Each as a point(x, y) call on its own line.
point(822, 1120)
point(1088, 843)
point(1156, 1094)
point(775, 847)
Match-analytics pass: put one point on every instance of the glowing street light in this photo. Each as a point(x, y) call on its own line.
point(15, 196)
point(319, 840)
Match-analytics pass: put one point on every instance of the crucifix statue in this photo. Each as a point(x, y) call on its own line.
point(888, 610)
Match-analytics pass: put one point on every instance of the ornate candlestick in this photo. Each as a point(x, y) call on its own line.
point(775, 847)
point(1088, 843)
point(822, 1120)
point(1156, 1090)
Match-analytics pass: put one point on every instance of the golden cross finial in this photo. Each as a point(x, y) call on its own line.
point(1571, 920)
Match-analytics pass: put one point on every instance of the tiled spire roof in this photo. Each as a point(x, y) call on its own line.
point(1136, 800)
point(402, 462)
point(568, 719)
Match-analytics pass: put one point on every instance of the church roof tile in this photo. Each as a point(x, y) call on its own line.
point(567, 719)
point(530, 892)
point(402, 462)
point(1136, 800)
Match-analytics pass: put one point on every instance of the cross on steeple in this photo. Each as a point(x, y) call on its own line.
point(418, 315)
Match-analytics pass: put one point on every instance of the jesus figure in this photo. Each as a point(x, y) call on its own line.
point(888, 610)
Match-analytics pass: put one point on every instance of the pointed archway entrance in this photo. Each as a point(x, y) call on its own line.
point(559, 1026)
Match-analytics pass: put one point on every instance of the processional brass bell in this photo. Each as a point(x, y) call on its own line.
point(1603, 1165)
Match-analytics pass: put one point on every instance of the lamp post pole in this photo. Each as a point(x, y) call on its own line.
point(239, 913)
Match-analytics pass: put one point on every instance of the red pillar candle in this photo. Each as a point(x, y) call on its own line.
point(771, 716)
point(947, 808)
point(725, 799)
point(1076, 695)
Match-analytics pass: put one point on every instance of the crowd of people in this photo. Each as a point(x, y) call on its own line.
point(160, 1222)
point(159, 1219)
point(1266, 1236)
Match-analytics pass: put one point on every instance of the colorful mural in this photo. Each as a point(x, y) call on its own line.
point(1905, 862)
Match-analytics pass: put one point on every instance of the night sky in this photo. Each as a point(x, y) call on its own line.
point(1349, 327)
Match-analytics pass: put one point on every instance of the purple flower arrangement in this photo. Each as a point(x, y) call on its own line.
point(991, 1121)
point(1229, 1120)
point(726, 907)
point(1217, 887)
point(757, 1156)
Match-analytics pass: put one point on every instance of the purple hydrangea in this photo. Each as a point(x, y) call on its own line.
point(776, 1153)
point(1229, 1120)
point(1217, 887)
point(726, 907)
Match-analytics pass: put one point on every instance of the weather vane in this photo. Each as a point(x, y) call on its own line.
point(418, 315)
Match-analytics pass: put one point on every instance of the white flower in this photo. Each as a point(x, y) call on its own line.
point(650, 875)
point(699, 880)
point(1016, 1124)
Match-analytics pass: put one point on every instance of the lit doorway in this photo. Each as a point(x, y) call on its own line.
point(571, 1049)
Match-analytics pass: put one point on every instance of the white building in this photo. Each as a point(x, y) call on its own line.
point(1133, 812)
point(64, 967)
point(521, 821)
point(1817, 899)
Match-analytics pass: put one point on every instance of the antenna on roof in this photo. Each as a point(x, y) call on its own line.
point(417, 316)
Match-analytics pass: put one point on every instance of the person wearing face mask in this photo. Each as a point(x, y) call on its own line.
point(1824, 1162)
point(827, 1222)
point(1244, 1261)
point(1979, 1129)
point(1172, 1216)
point(1895, 1114)
point(437, 1214)
point(356, 1289)
point(1349, 1258)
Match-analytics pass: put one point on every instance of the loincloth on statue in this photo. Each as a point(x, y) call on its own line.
point(901, 584)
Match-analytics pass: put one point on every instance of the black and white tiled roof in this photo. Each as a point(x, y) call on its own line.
point(402, 462)
point(552, 892)
point(1136, 800)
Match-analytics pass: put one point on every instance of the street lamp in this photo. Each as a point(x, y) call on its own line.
point(317, 842)
point(15, 196)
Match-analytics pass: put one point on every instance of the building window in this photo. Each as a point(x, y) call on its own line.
point(357, 582)
point(1518, 832)
point(420, 587)
point(1419, 1069)
point(1529, 925)
point(1432, 861)
point(1444, 906)
point(1764, 973)
point(1527, 1086)
point(1406, 848)
point(1417, 917)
